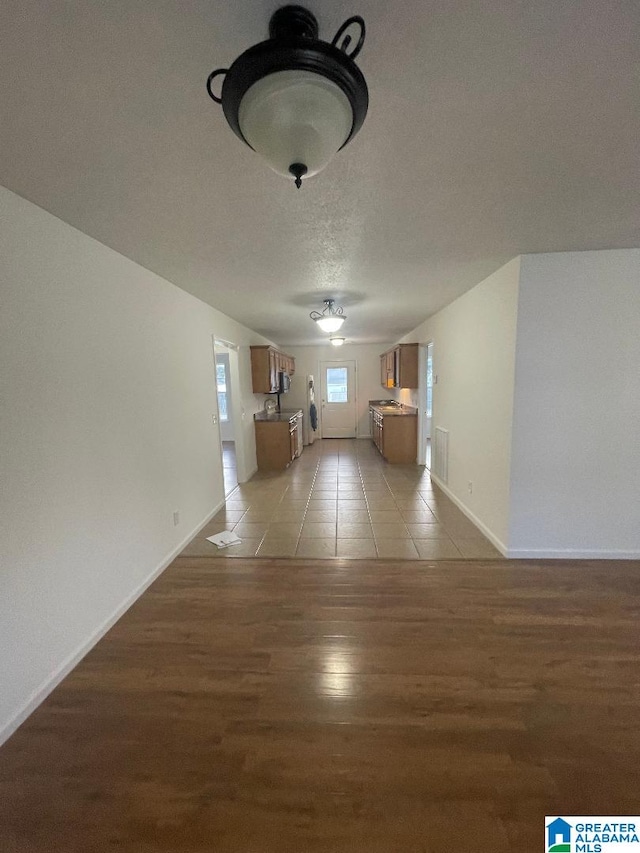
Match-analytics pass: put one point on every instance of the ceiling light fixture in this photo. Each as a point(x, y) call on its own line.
point(336, 341)
point(294, 99)
point(330, 319)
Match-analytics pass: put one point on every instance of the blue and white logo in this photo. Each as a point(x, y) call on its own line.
point(592, 834)
point(559, 836)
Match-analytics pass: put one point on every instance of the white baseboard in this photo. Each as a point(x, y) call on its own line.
point(499, 544)
point(61, 672)
point(570, 554)
point(539, 553)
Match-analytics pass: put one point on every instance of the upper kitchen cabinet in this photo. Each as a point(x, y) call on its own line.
point(399, 367)
point(266, 363)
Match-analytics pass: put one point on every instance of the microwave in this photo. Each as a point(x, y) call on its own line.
point(284, 382)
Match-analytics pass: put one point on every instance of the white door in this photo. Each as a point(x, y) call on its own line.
point(338, 387)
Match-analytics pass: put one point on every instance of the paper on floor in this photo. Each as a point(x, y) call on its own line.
point(224, 539)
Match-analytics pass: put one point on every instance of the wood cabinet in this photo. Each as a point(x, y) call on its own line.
point(395, 436)
point(276, 443)
point(399, 367)
point(266, 363)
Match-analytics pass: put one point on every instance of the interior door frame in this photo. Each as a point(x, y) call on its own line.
point(237, 410)
point(333, 362)
point(422, 403)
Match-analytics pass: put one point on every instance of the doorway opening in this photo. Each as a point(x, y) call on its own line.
point(428, 406)
point(225, 412)
point(425, 405)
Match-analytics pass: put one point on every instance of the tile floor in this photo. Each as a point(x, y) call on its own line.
point(341, 499)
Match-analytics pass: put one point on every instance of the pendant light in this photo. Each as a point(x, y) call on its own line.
point(330, 319)
point(294, 99)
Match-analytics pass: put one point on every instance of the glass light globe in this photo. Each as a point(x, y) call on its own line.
point(330, 323)
point(295, 117)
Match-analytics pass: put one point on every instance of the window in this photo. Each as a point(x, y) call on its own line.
point(221, 377)
point(337, 385)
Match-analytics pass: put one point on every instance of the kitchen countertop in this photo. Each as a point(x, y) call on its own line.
point(277, 417)
point(396, 411)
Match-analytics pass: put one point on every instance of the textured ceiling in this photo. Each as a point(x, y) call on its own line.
point(494, 128)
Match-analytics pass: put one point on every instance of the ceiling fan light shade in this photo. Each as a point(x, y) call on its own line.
point(331, 323)
point(295, 117)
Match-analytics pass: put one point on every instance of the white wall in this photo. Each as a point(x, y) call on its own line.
point(474, 361)
point(368, 387)
point(575, 470)
point(108, 387)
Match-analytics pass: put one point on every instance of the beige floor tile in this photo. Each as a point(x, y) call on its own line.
point(288, 515)
point(401, 549)
point(228, 515)
point(250, 529)
point(316, 505)
point(353, 516)
point(423, 516)
point(362, 549)
point(411, 505)
point(238, 504)
point(333, 493)
point(284, 529)
point(427, 531)
point(382, 503)
point(459, 528)
point(316, 548)
point(318, 530)
point(385, 516)
point(274, 547)
point(347, 503)
point(253, 516)
point(355, 530)
point(324, 494)
point(320, 515)
point(477, 548)
point(293, 503)
point(382, 530)
point(436, 549)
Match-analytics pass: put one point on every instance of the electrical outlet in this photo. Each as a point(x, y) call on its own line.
point(214, 419)
point(176, 518)
point(470, 487)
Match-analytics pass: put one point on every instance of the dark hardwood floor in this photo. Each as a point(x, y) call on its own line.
point(251, 706)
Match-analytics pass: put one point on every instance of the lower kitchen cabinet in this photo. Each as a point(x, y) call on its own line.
point(278, 441)
point(395, 436)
